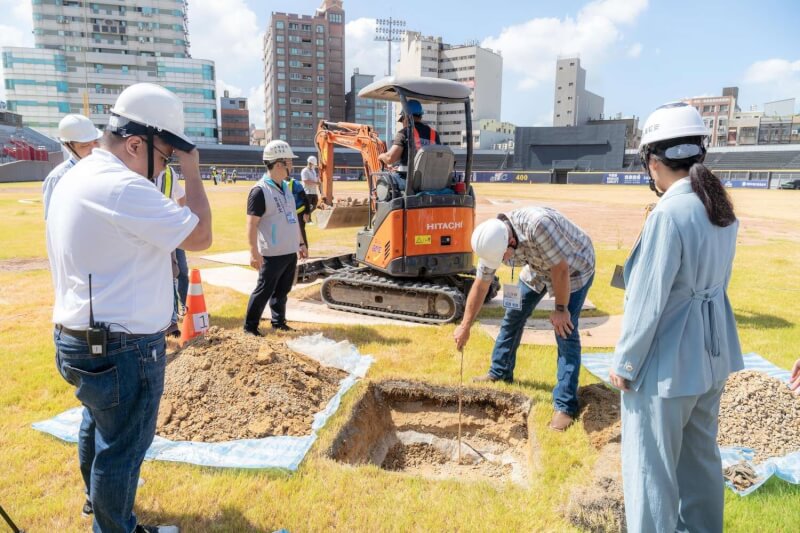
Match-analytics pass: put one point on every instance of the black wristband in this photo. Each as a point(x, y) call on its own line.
point(561, 308)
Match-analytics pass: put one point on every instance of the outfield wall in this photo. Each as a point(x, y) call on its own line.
point(768, 179)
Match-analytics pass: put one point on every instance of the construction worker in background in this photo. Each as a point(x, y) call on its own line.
point(273, 233)
point(214, 175)
point(167, 183)
point(224, 176)
point(233, 176)
point(422, 135)
point(303, 206)
point(311, 184)
point(110, 232)
point(79, 137)
point(679, 340)
point(558, 257)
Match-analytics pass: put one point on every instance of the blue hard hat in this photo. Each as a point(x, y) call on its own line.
point(414, 107)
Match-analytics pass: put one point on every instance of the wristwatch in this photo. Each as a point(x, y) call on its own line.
point(561, 308)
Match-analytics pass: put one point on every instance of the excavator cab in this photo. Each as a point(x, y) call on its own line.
point(420, 220)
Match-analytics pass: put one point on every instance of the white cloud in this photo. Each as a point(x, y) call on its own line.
point(16, 29)
point(531, 48)
point(366, 54)
point(635, 51)
point(772, 79)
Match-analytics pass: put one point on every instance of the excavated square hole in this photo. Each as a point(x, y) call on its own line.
point(412, 427)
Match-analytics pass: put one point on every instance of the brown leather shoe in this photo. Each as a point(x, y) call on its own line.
point(561, 421)
point(486, 378)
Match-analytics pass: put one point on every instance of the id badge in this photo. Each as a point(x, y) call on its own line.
point(512, 297)
point(291, 217)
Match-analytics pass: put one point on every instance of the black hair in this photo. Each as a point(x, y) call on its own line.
point(271, 164)
point(705, 184)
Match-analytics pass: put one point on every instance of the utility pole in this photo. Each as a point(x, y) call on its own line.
point(390, 30)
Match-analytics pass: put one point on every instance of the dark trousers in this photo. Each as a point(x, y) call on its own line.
point(302, 222)
point(274, 283)
point(313, 200)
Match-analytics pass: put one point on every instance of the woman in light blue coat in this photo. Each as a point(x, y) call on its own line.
point(679, 341)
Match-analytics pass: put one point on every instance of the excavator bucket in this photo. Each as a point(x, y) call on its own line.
point(346, 214)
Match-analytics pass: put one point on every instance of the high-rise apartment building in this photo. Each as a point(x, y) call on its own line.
point(364, 110)
point(86, 53)
point(717, 113)
point(478, 68)
point(234, 125)
point(573, 104)
point(303, 73)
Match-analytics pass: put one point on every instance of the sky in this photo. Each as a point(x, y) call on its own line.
point(638, 54)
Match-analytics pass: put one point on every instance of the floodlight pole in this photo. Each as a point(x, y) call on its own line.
point(390, 30)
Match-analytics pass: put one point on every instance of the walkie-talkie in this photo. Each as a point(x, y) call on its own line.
point(97, 334)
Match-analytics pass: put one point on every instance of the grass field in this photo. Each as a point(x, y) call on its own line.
point(40, 483)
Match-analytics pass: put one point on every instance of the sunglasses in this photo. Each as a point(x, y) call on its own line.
point(168, 159)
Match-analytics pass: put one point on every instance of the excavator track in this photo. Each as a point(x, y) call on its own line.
point(363, 291)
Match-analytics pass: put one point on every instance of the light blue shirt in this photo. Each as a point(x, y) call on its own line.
point(52, 180)
point(678, 321)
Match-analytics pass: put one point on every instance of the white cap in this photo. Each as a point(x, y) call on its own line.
point(490, 242)
point(275, 150)
point(77, 128)
point(153, 106)
point(312, 159)
point(672, 121)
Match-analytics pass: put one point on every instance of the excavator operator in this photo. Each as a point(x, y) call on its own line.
point(423, 135)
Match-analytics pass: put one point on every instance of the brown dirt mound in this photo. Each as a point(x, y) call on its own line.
point(229, 385)
point(24, 265)
point(759, 412)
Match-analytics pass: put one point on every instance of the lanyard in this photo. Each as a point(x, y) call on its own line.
point(513, 263)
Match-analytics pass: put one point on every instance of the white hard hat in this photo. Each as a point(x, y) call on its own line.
point(672, 121)
point(490, 242)
point(275, 150)
point(312, 159)
point(77, 128)
point(148, 105)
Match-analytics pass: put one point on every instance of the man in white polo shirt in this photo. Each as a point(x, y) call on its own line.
point(108, 223)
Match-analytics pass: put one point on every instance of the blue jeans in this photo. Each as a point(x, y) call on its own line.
point(504, 355)
point(120, 393)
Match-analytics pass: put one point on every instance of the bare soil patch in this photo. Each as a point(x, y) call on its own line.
point(412, 427)
point(24, 264)
point(756, 411)
point(229, 385)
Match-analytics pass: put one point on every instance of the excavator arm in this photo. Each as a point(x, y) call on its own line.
point(358, 137)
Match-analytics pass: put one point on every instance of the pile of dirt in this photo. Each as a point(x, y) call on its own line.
point(230, 385)
point(759, 412)
point(598, 505)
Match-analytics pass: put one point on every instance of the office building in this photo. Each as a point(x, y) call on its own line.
point(303, 73)
point(717, 112)
point(86, 53)
point(573, 104)
point(234, 120)
point(480, 69)
point(364, 110)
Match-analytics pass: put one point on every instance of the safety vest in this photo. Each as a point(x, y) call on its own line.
point(302, 207)
point(418, 141)
point(166, 183)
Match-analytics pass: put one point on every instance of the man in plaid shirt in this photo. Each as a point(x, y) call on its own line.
point(557, 257)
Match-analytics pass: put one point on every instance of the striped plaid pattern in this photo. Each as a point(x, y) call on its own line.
point(545, 237)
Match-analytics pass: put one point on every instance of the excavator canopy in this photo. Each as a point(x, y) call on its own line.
point(426, 90)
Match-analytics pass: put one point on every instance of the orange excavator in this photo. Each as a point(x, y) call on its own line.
point(360, 137)
point(413, 258)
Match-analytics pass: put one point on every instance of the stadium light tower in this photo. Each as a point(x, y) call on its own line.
point(390, 30)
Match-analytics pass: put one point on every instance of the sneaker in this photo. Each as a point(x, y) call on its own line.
point(156, 529)
point(87, 508)
point(253, 332)
point(488, 378)
point(282, 327)
point(561, 421)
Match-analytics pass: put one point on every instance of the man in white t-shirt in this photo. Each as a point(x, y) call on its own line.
point(79, 137)
point(311, 183)
point(110, 233)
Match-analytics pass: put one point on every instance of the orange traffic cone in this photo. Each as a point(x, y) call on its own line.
point(195, 322)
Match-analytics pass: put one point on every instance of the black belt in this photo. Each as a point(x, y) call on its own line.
point(112, 335)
